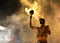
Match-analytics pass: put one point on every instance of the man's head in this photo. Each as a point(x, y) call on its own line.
point(42, 21)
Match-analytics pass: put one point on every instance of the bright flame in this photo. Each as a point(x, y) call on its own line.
point(37, 9)
point(26, 3)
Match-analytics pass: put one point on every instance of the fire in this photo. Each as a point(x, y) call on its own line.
point(37, 9)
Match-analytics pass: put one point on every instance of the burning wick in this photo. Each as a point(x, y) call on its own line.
point(31, 12)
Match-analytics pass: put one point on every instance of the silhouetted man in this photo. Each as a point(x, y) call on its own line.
point(43, 31)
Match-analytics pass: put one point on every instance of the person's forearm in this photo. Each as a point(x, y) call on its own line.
point(31, 21)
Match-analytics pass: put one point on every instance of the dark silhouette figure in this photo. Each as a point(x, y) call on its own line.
point(43, 31)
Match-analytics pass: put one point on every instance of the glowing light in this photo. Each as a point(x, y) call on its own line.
point(2, 28)
point(37, 9)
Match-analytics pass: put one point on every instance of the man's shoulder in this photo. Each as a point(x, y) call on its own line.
point(38, 27)
point(47, 26)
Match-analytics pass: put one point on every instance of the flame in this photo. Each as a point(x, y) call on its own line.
point(37, 9)
point(26, 3)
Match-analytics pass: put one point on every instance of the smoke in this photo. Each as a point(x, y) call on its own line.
point(14, 13)
point(22, 23)
point(20, 20)
point(49, 10)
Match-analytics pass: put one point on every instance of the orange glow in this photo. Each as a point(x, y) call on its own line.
point(37, 9)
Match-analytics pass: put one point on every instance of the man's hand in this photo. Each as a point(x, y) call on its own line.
point(31, 12)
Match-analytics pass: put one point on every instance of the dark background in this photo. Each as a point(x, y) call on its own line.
point(7, 7)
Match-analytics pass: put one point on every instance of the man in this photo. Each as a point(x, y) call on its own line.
point(43, 30)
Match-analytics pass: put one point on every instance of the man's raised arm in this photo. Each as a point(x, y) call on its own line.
point(31, 12)
point(31, 21)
